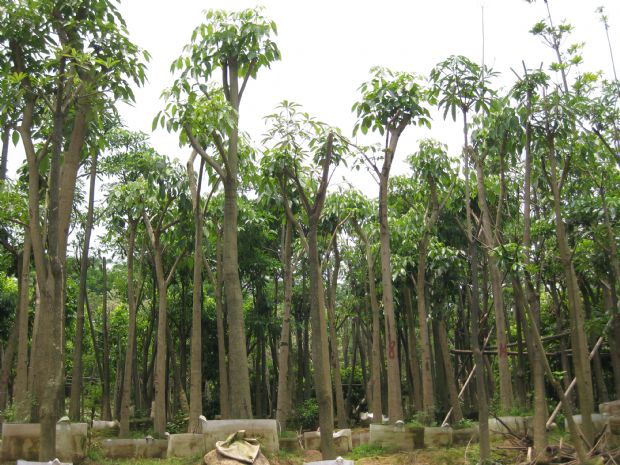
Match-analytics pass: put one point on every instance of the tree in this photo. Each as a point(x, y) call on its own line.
point(297, 138)
point(67, 62)
point(238, 44)
point(432, 167)
point(390, 102)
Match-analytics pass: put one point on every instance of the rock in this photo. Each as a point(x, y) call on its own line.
point(265, 431)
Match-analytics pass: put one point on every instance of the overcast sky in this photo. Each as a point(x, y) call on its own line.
point(328, 48)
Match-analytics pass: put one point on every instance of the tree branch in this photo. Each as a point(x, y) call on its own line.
point(247, 77)
point(208, 158)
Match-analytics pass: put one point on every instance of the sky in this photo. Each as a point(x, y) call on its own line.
point(328, 48)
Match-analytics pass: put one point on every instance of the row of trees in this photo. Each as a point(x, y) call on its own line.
point(300, 292)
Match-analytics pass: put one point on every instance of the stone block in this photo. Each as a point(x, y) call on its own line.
point(290, 444)
point(598, 420)
point(185, 445)
point(312, 440)
point(100, 425)
point(464, 436)
point(51, 462)
point(21, 441)
point(342, 441)
point(610, 408)
point(265, 431)
point(338, 461)
point(135, 448)
point(440, 436)
point(498, 427)
point(613, 440)
point(360, 437)
point(397, 437)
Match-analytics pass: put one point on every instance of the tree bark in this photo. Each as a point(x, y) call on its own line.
point(491, 242)
point(375, 370)
point(106, 410)
point(455, 402)
point(20, 388)
point(195, 390)
point(131, 331)
point(395, 407)
point(283, 408)
point(581, 361)
point(414, 363)
point(428, 390)
point(341, 414)
point(76, 379)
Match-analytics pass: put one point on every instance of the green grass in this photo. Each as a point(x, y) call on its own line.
point(368, 450)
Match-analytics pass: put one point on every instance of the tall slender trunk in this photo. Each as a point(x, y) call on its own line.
point(159, 378)
point(217, 283)
point(195, 390)
point(283, 408)
point(106, 411)
point(581, 361)
point(474, 296)
point(428, 390)
point(76, 379)
point(455, 403)
point(131, 331)
point(341, 414)
point(20, 388)
point(395, 407)
point(505, 382)
point(414, 363)
point(6, 132)
point(320, 344)
point(375, 371)
point(7, 363)
point(237, 356)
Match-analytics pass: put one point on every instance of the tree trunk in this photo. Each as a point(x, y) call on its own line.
point(195, 390)
point(395, 407)
point(375, 371)
point(106, 411)
point(237, 356)
point(7, 364)
point(581, 361)
point(283, 408)
point(216, 280)
point(505, 382)
point(5, 152)
point(341, 414)
point(20, 388)
point(76, 379)
point(428, 390)
point(455, 403)
point(131, 332)
point(320, 348)
point(414, 363)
